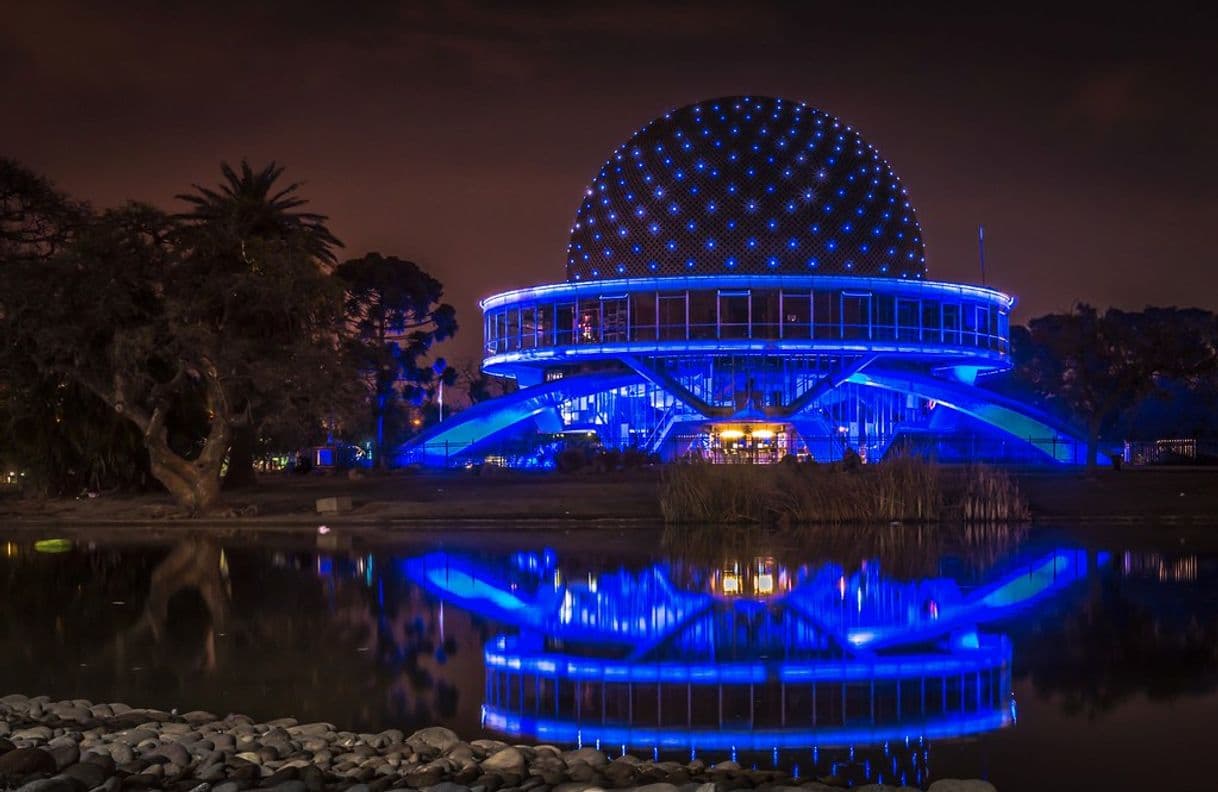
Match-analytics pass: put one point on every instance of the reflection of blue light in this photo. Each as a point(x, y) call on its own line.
point(724, 739)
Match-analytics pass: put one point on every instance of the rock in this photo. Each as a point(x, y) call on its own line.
point(334, 505)
point(25, 761)
point(294, 785)
point(121, 753)
point(437, 737)
point(64, 755)
point(725, 766)
point(583, 772)
point(53, 784)
point(589, 756)
point(6, 746)
point(575, 786)
point(959, 785)
point(311, 729)
point(227, 786)
point(86, 774)
point(313, 779)
point(14, 698)
point(656, 788)
point(38, 733)
point(508, 760)
point(446, 786)
point(102, 760)
point(250, 756)
point(73, 713)
point(484, 748)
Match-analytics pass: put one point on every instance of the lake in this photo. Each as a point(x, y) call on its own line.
point(1047, 658)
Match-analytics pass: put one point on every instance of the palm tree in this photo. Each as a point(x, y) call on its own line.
point(225, 227)
point(250, 205)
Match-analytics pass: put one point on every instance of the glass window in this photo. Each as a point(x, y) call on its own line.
point(528, 327)
point(672, 316)
point(703, 315)
point(826, 314)
point(883, 325)
point(766, 319)
point(564, 323)
point(513, 328)
point(856, 315)
point(907, 320)
point(951, 323)
point(969, 315)
point(733, 314)
point(643, 316)
point(545, 325)
point(932, 322)
point(796, 315)
point(587, 329)
point(613, 318)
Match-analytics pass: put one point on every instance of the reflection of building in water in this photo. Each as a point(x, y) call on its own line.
point(1182, 569)
point(759, 658)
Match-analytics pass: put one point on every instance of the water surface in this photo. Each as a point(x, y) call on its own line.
point(1048, 659)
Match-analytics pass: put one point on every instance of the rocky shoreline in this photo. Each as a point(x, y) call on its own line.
point(78, 746)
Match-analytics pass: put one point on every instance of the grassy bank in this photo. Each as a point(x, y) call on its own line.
point(903, 489)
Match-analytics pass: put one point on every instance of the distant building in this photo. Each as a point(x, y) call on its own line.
point(746, 279)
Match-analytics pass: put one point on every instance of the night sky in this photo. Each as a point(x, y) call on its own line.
point(462, 135)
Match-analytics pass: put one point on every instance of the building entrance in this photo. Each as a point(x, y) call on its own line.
point(749, 443)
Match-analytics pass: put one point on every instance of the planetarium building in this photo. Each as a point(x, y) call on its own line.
point(746, 278)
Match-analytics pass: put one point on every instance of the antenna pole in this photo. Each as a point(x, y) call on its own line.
point(981, 250)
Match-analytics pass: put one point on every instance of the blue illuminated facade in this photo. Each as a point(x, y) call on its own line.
point(746, 280)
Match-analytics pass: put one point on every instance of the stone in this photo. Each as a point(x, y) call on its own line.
point(313, 779)
point(961, 785)
point(227, 786)
point(656, 788)
point(102, 760)
point(504, 760)
point(121, 753)
point(6, 746)
point(53, 784)
point(38, 733)
point(64, 755)
point(311, 729)
point(335, 505)
point(25, 761)
point(292, 785)
point(437, 737)
point(589, 756)
point(86, 774)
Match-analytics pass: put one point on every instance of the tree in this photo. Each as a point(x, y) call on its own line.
point(159, 321)
point(57, 432)
point(1092, 367)
point(480, 386)
point(253, 210)
point(394, 308)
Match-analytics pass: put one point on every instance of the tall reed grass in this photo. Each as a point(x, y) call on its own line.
point(903, 489)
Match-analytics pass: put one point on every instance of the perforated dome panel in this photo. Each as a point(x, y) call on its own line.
point(745, 185)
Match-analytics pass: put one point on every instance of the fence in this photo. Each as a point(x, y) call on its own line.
point(551, 452)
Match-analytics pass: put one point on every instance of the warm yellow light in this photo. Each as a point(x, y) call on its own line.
point(731, 583)
point(763, 434)
point(731, 434)
point(764, 584)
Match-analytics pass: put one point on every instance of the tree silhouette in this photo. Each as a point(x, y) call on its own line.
point(396, 311)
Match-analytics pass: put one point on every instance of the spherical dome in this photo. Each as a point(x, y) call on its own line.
point(745, 185)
